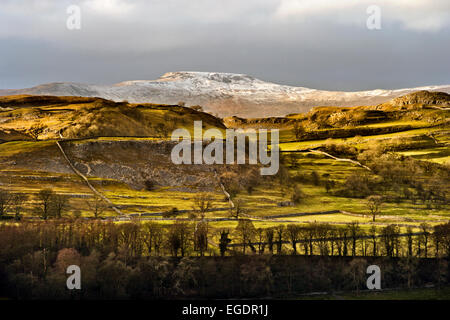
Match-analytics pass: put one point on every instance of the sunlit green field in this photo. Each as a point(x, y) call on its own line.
point(411, 138)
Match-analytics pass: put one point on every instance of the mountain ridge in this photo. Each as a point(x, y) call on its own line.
point(222, 94)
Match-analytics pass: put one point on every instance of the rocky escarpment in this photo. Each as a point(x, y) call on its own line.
point(432, 107)
point(141, 164)
point(421, 98)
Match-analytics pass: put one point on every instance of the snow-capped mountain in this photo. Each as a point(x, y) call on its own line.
point(224, 94)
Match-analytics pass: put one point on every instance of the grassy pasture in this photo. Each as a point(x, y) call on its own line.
point(79, 114)
point(261, 202)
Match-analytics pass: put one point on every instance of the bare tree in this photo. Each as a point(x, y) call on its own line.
point(322, 232)
point(410, 241)
point(184, 230)
point(304, 232)
point(148, 235)
point(202, 203)
point(269, 234)
point(201, 238)
point(374, 204)
point(5, 201)
point(426, 234)
point(45, 199)
point(333, 234)
point(354, 231)
point(17, 201)
point(179, 237)
point(153, 237)
point(173, 241)
point(59, 203)
point(260, 234)
point(343, 242)
point(224, 241)
point(245, 230)
point(311, 231)
point(97, 206)
point(158, 238)
point(390, 239)
point(293, 232)
point(373, 237)
point(279, 231)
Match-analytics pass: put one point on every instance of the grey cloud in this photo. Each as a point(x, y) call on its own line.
point(318, 47)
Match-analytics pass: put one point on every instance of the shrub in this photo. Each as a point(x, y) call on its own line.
point(171, 213)
point(197, 108)
point(298, 195)
point(340, 149)
point(357, 186)
point(149, 185)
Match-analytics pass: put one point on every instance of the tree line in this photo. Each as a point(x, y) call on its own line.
point(191, 259)
point(349, 240)
point(47, 204)
point(136, 239)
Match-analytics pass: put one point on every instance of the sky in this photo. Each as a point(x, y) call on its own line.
point(311, 43)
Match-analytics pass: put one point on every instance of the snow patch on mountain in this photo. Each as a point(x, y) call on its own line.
point(224, 94)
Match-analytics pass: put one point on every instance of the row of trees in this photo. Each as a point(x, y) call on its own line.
point(182, 238)
point(142, 260)
point(349, 240)
point(47, 204)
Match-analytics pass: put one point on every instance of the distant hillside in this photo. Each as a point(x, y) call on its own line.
point(45, 117)
point(430, 107)
point(223, 94)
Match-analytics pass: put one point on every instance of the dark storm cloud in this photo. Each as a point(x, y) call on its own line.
point(311, 43)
